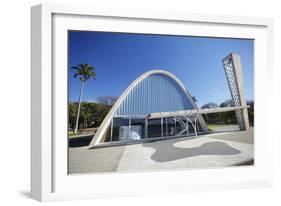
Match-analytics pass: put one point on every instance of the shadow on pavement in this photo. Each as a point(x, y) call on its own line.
point(166, 151)
point(80, 141)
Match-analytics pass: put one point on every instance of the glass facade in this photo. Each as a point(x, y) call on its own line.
point(137, 128)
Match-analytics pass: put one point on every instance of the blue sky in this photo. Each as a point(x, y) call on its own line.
point(120, 58)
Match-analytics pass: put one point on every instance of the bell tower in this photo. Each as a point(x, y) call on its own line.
point(233, 71)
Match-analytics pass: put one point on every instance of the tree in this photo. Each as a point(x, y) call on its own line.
point(84, 72)
point(209, 105)
point(72, 112)
point(228, 117)
point(251, 111)
point(227, 103)
point(91, 115)
point(212, 117)
point(107, 100)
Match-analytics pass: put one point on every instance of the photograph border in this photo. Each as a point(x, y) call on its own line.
point(43, 88)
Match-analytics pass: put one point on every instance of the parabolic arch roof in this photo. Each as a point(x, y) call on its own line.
point(153, 91)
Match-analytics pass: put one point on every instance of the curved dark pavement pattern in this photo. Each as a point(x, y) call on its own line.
point(168, 152)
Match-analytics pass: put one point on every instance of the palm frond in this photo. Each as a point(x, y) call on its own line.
point(76, 68)
point(84, 71)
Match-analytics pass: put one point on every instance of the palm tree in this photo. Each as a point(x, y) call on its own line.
point(84, 72)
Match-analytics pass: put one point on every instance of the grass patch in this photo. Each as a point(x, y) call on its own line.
point(72, 134)
point(212, 127)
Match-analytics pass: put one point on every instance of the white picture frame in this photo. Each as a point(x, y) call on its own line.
point(49, 179)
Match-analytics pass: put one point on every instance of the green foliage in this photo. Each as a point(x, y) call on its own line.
point(72, 112)
point(226, 117)
point(251, 111)
point(91, 115)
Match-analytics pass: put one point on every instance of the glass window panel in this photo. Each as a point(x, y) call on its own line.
point(119, 127)
point(138, 124)
point(180, 126)
point(154, 128)
point(169, 126)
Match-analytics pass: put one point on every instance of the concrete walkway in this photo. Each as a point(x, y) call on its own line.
point(207, 151)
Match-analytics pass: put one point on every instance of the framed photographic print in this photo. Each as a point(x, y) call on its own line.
point(136, 102)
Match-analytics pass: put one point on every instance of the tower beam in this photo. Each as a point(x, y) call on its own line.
point(233, 71)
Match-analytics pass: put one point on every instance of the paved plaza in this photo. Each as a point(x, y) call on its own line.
point(214, 150)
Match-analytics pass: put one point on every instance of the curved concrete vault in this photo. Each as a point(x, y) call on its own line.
point(153, 91)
